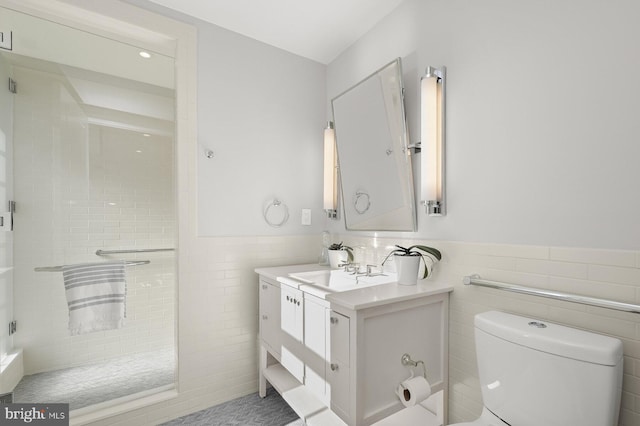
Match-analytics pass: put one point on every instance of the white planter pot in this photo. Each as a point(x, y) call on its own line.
point(337, 257)
point(407, 268)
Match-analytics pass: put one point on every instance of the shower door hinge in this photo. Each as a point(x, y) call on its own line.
point(6, 40)
point(13, 327)
point(13, 86)
point(6, 219)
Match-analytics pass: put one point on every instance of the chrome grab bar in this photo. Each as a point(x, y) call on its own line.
point(567, 297)
point(59, 268)
point(106, 252)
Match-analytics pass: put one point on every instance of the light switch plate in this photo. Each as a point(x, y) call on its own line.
point(306, 216)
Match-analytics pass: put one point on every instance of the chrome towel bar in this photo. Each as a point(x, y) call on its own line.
point(106, 252)
point(567, 297)
point(59, 268)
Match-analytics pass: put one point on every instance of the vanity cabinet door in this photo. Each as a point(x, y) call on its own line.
point(338, 374)
point(291, 310)
point(339, 337)
point(315, 320)
point(269, 318)
point(292, 321)
point(314, 327)
point(339, 384)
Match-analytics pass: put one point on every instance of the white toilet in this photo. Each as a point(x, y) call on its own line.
point(534, 373)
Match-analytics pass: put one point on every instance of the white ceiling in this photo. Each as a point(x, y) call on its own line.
point(316, 29)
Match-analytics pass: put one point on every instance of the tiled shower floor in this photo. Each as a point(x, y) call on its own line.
point(92, 384)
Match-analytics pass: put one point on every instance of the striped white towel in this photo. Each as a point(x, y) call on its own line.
point(95, 296)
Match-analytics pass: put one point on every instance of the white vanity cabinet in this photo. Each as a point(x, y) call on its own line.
point(336, 357)
point(269, 328)
point(291, 312)
point(316, 314)
point(269, 315)
point(339, 373)
point(370, 332)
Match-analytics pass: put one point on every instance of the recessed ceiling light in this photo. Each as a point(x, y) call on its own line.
point(144, 54)
point(146, 135)
point(138, 151)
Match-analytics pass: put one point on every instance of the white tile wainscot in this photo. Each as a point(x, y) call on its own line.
point(335, 357)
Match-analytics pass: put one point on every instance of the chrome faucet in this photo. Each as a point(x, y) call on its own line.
point(369, 272)
point(349, 267)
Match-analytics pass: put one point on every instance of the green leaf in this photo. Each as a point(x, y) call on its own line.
point(349, 251)
point(429, 250)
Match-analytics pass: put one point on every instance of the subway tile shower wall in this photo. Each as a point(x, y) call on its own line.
point(609, 274)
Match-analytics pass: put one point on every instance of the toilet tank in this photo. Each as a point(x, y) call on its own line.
point(535, 373)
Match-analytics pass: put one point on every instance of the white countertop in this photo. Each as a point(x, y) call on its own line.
point(360, 298)
point(276, 272)
point(386, 293)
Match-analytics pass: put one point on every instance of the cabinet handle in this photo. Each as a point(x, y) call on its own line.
point(264, 286)
point(334, 320)
point(288, 300)
point(334, 367)
point(264, 317)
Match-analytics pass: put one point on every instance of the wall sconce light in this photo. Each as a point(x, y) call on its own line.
point(432, 135)
point(330, 172)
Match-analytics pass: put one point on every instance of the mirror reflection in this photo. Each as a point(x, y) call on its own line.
point(374, 162)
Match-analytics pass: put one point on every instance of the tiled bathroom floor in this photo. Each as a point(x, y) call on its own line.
point(92, 384)
point(250, 410)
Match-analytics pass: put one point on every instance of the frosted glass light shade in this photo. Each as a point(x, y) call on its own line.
point(330, 173)
point(432, 140)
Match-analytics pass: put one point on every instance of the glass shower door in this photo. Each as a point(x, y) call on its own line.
point(94, 169)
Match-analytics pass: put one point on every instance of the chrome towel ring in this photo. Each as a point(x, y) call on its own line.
point(276, 205)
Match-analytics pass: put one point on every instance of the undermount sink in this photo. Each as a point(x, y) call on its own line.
point(338, 280)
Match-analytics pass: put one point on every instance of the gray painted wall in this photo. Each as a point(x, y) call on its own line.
point(542, 115)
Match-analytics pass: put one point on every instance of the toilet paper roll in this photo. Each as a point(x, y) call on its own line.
point(413, 391)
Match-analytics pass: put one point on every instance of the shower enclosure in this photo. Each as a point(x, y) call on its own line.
point(87, 152)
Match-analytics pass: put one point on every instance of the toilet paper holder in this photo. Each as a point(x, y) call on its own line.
point(406, 360)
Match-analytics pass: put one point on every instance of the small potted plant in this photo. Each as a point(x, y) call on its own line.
point(408, 262)
point(339, 254)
